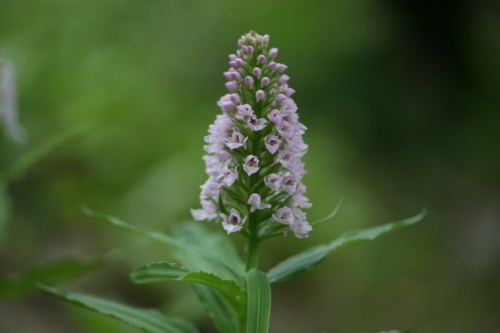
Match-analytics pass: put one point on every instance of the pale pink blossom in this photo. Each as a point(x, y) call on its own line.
point(209, 211)
point(227, 177)
point(236, 140)
point(275, 116)
point(210, 188)
point(289, 184)
point(300, 228)
point(283, 215)
point(254, 201)
point(259, 95)
point(261, 58)
point(256, 124)
point(272, 143)
point(273, 53)
point(245, 109)
point(273, 181)
point(285, 129)
point(251, 164)
point(264, 81)
point(257, 71)
point(233, 222)
point(272, 65)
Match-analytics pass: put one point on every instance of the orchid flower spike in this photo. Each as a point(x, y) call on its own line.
point(254, 149)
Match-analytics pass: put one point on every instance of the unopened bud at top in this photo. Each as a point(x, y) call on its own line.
point(273, 53)
point(257, 71)
point(261, 58)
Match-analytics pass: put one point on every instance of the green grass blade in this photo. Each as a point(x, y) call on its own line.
point(147, 320)
point(259, 302)
point(312, 257)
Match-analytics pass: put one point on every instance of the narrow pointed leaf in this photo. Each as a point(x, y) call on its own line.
point(162, 271)
point(312, 257)
point(51, 272)
point(217, 308)
point(225, 269)
point(259, 302)
point(147, 320)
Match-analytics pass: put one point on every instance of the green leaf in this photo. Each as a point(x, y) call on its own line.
point(147, 320)
point(259, 301)
point(217, 308)
point(4, 211)
point(218, 245)
point(162, 271)
point(224, 269)
point(38, 154)
point(51, 272)
point(312, 257)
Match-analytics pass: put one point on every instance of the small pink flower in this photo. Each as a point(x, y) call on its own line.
point(300, 228)
point(245, 110)
point(256, 124)
point(273, 53)
point(265, 81)
point(228, 176)
point(235, 141)
point(275, 116)
point(254, 201)
point(207, 213)
point(273, 181)
point(257, 71)
point(289, 92)
point(272, 143)
point(233, 222)
point(272, 65)
point(261, 58)
point(285, 129)
point(251, 165)
point(210, 188)
point(289, 184)
point(284, 215)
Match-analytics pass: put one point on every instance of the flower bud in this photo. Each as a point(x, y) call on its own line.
point(282, 79)
point(273, 53)
point(231, 86)
point(280, 98)
point(249, 81)
point(280, 68)
point(289, 92)
point(235, 98)
point(261, 58)
point(260, 94)
point(257, 71)
point(265, 81)
point(272, 65)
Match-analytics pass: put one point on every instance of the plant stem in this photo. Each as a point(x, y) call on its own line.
point(252, 260)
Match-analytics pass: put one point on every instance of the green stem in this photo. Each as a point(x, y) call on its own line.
point(252, 259)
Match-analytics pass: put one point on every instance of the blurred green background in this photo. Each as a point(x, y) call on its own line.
point(401, 99)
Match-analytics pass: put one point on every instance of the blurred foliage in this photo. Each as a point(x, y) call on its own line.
point(401, 101)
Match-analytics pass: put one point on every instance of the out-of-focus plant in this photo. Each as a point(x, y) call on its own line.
point(254, 188)
point(57, 271)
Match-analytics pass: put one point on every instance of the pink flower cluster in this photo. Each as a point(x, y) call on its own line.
point(254, 148)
